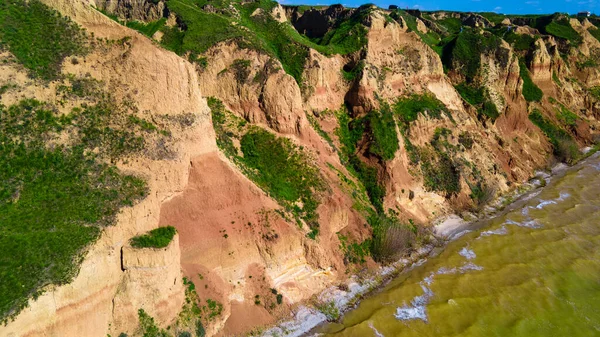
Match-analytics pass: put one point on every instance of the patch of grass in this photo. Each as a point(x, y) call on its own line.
point(284, 171)
point(452, 25)
point(347, 35)
point(156, 238)
point(383, 129)
point(39, 37)
point(355, 72)
point(478, 97)
point(148, 29)
point(531, 91)
point(408, 108)
point(224, 135)
point(566, 116)
point(565, 148)
point(350, 132)
point(440, 174)
point(317, 127)
point(556, 79)
point(54, 201)
point(595, 32)
point(562, 29)
point(521, 42)
point(329, 310)
point(463, 54)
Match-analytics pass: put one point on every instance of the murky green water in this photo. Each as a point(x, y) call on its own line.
point(533, 272)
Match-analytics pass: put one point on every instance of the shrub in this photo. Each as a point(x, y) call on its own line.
point(439, 172)
point(391, 239)
point(531, 92)
point(147, 326)
point(466, 140)
point(329, 310)
point(39, 37)
point(156, 238)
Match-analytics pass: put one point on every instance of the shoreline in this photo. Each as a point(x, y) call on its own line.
point(306, 318)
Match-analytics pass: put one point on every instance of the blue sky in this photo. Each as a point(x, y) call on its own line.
point(500, 6)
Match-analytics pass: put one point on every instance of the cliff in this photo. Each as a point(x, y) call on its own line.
point(304, 144)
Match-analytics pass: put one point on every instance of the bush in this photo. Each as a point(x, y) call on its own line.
point(39, 37)
point(329, 310)
point(156, 238)
point(391, 239)
point(531, 92)
point(440, 174)
point(147, 326)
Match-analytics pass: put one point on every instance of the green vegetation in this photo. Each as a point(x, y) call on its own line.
point(283, 170)
point(531, 91)
point(329, 310)
point(440, 174)
point(317, 127)
point(55, 200)
point(520, 42)
point(383, 129)
point(156, 238)
point(350, 132)
point(391, 239)
point(355, 72)
point(431, 38)
point(224, 135)
point(474, 95)
point(276, 164)
point(595, 32)
point(565, 148)
point(479, 98)
point(463, 54)
point(354, 252)
point(408, 108)
point(147, 326)
point(201, 29)
point(347, 35)
point(39, 37)
point(566, 116)
point(556, 79)
point(562, 29)
point(147, 29)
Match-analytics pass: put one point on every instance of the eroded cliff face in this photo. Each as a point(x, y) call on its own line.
point(237, 244)
point(115, 280)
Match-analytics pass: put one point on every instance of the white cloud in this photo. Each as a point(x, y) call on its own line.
point(497, 9)
point(416, 7)
point(532, 2)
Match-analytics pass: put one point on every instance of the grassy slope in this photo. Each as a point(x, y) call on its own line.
point(260, 32)
point(54, 201)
